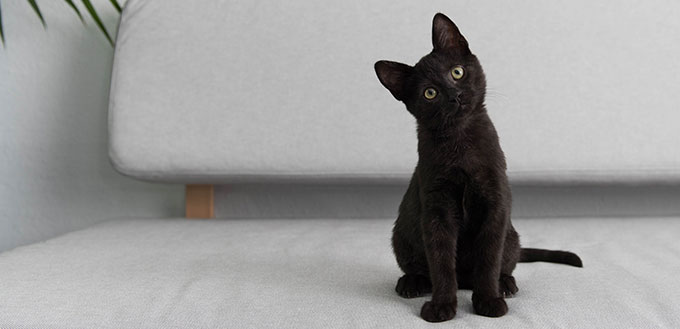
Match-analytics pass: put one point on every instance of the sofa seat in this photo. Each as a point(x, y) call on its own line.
point(324, 273)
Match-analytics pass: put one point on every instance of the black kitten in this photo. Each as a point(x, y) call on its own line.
point(454, 228)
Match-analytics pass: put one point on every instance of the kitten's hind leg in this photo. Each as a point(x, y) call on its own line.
point(416, 282)
point(511, 251)
point(413, 285)
point(507, 286)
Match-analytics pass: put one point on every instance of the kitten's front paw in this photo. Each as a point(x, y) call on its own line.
point(413, 285)
point(432, 312)
point(489, 306)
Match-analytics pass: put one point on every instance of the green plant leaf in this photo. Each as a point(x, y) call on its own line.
point(2, 34)
point(37, 11)
point(115, 4)
point(73, 5)
point(96, 19)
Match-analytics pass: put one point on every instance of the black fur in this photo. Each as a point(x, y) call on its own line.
point(454, 230)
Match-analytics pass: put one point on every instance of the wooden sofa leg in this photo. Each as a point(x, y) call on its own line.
point(200, 201)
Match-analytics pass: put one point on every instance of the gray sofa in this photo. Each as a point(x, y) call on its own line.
point(277, 105)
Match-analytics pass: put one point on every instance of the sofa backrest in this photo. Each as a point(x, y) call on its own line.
point(234, 91)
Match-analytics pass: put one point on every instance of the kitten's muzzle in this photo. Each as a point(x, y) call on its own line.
point(455, 99)
point(455, 96)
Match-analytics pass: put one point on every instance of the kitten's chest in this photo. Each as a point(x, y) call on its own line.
point(462, 192)
point(453, 185)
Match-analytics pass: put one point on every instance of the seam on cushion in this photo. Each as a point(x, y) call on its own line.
point(523, 177)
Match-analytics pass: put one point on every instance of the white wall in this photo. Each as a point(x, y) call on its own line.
point(55, 175)
point(382, 201)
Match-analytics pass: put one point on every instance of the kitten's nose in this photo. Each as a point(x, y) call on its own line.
point(454, 96)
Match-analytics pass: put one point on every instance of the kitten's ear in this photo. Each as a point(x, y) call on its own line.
point(445, 34)
point(393, 76)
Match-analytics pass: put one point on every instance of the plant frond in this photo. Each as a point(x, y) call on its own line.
point(37, 11)
point(117, 5)
point(2, 34)
point(97, 20)
point(73, 5)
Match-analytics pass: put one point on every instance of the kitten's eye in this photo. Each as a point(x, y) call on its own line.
point(457, 72)
point(430, 93)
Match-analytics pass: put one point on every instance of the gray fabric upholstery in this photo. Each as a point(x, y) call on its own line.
point(235, 90)
point(178, 273)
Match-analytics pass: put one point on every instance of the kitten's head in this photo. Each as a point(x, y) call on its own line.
point(444, 86)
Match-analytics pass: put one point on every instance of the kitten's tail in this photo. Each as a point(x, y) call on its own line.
point(551, 256)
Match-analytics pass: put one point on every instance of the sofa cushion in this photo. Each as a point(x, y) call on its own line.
point(316, 273)
point(233, 90)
